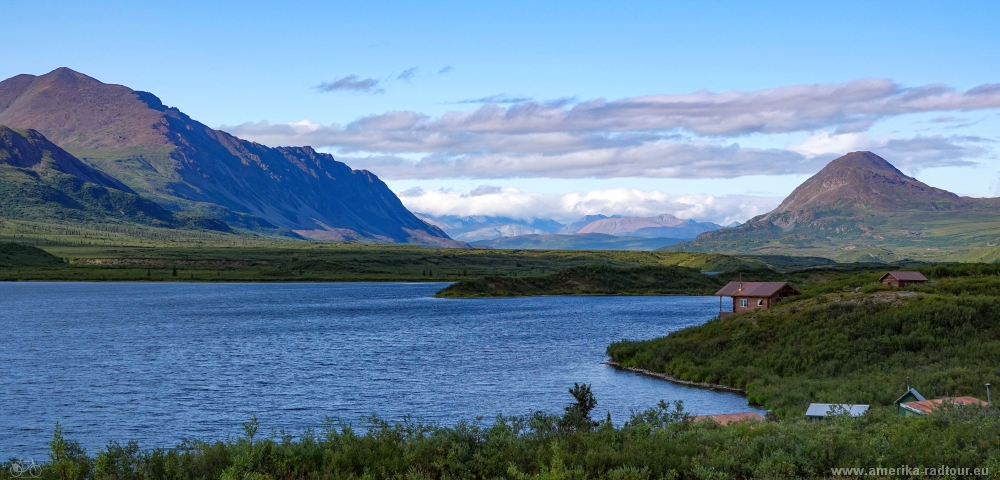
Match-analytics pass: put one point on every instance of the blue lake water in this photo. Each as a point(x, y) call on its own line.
point(158, 362)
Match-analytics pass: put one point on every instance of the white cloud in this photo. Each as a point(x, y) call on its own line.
point(509, 202)
point(653, 160)
point(790, 108)
point(831, 143)
point(351, 83)
point(676, 136)
point(908, 154)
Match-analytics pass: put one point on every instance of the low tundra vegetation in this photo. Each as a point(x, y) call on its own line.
point(659, 443)
point(848, 340)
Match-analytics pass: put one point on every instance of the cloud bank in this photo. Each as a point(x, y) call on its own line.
point(509, 202)
point(679, 136)
point(499, 98)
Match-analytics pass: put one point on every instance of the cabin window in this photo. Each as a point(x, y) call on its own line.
point(760, 303)
point(743, 302)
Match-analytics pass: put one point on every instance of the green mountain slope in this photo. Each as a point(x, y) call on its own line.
point(40, 181)
point(858, 208)
point(182, 164)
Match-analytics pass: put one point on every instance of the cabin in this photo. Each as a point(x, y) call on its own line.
point(924, 407)
point(911, 395)
point(902, 279)
point(727, 418)
point(749, 296)
point(818, 411)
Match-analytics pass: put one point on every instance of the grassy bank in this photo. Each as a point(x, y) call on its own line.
point(663, 279)
point(592, 280)
point(848, 340)
point(658, 443)
point(258, 259)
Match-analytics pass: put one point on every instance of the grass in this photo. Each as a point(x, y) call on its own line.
point(109, 252)
point(17, 255)
point(304, 261)
point(142, 167)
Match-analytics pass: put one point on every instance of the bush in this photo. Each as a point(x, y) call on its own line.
point(660, 442)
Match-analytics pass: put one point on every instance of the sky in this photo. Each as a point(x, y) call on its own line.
point(707, 110)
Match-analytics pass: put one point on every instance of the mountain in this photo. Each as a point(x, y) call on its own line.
point(30, 150)
point(580, 241)
point(583, 222)
point(482, 227)
point(182, 164)
point(861, 207)
point(498, 231)
point(40, 181)
point(661, 226)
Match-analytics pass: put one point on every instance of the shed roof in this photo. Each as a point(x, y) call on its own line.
point(727, 418)
point(928, 406)
point(753, 289)
point(915, 393)
point(829, 409)
point(906, 276)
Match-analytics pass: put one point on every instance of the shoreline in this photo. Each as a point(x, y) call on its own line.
point(663, 376)
point(472, 297)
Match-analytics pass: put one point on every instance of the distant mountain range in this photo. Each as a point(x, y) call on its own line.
point(661, 226)
point(592, 232)
point(860, 207)
point(577, 241)
point(135, 144)
point(574, 227)
point(481, 227)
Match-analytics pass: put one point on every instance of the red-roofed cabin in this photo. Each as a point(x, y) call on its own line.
point(923, 407)
point(748, 296)
point(902, 279)
point(727, 418)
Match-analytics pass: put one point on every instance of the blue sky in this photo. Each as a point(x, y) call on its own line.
point(578, 142)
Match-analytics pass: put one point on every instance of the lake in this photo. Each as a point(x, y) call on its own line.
point(158, 362)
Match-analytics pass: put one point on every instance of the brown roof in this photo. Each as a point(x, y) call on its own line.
point(906, 276)
point(928, 406)
point(727, 418)
point(752, 289)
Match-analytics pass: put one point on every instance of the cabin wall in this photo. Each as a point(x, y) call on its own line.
point(751, 304)
point(891, 281)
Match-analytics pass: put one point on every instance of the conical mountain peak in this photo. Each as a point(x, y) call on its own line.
point(860, 180)
point(65, 74)
point(863, 160)
point(853, 209)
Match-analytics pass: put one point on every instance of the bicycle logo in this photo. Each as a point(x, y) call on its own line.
point(25, 469)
